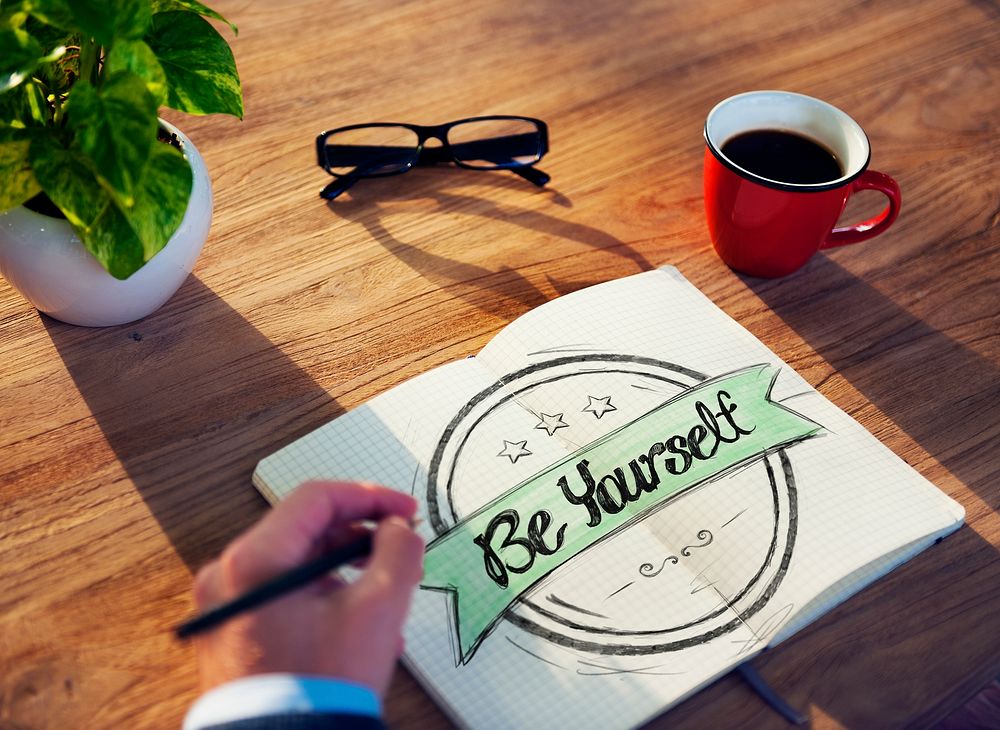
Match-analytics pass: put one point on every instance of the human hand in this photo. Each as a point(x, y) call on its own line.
point(328, 628)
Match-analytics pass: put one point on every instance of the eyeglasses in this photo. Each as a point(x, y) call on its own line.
point(478, 143)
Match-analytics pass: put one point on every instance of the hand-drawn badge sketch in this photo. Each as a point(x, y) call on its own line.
point(614, 504)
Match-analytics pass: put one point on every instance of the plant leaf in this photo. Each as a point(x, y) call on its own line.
point(163, 6)
point(125, 240)
point(21, 54)
point(138, 58)
point(199, 65)
point(24, 106)
point(121, 240)
point(161, 200)
point(115, 129)
point(57, 13)
point(11, 7)
point(67, 179)
point(103, 20)
point(19, 183)
point(48, 36)
point(113, 242)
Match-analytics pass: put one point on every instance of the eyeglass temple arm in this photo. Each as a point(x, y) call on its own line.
point(337, 186)
point(342, 184)
point(532, 175)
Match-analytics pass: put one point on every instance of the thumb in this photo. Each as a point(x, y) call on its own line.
point(396, 563)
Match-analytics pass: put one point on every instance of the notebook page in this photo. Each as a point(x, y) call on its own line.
point(854, 500)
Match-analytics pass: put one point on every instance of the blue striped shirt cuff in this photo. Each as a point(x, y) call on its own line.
point(278, 694)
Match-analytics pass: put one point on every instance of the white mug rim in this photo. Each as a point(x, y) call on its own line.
point(715, 146)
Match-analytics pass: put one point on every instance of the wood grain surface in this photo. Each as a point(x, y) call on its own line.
point(126, 452)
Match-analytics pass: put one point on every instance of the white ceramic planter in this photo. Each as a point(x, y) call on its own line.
point(43, 258)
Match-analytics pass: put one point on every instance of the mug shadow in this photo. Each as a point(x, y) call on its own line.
point(858, 330)
point(512, 292)
point(876, 632)
point(190, 399)
point(861, 332)
point(869, 336)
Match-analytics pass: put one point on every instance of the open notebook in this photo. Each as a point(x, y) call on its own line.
point(625, 495)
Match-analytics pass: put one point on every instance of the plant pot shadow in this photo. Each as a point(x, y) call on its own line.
point(456, 193)
point(190, 399)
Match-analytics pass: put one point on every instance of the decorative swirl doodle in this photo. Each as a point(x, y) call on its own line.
point(648, 570)
point(702, 535)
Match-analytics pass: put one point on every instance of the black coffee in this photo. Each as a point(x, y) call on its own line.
point(783, 156)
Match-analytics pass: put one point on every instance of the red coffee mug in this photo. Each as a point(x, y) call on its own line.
point(770, 228)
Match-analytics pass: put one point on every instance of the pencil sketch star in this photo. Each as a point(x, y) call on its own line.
point(599, 406)
point(552, 423)
point(514, 450)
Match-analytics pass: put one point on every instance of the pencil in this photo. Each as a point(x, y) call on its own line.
point(276, 587)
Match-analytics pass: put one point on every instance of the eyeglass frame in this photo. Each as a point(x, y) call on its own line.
point(444, 153)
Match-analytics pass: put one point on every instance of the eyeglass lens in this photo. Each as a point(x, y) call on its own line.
point(487, 144)
point(371, 151)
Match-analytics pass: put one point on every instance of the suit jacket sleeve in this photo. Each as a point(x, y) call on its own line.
point(304, 721)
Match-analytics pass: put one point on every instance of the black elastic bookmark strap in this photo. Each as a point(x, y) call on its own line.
point(772, 698)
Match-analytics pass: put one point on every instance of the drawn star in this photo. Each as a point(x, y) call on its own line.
point(599, 406)
point(552, 423)
point(514, 450)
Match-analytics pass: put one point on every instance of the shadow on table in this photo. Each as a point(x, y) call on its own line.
point(943, 395)
point(366, 202)
point(929, 627)
point(895, 360)
point(190, 399)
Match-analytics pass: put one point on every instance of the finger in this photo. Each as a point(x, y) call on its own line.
point(396, 563)
point(338, 536)
point(287, 536)
point(327, 584)
point(207, 587)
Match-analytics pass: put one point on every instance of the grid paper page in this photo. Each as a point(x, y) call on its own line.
point(673, 564)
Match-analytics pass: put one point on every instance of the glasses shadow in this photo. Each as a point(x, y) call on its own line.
point(190, 399)
point(370, 202)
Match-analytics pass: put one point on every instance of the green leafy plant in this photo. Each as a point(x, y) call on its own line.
point(81, 82)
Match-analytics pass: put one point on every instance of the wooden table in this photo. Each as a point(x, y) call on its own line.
point(125, 453)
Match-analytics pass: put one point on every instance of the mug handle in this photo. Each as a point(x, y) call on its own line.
point(869, 180)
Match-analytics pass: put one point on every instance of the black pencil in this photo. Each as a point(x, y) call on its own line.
point(276, 587)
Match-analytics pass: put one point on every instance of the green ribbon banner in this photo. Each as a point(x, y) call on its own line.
point(493, 556)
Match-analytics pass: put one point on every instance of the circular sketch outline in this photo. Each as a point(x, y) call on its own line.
point(439, 525)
